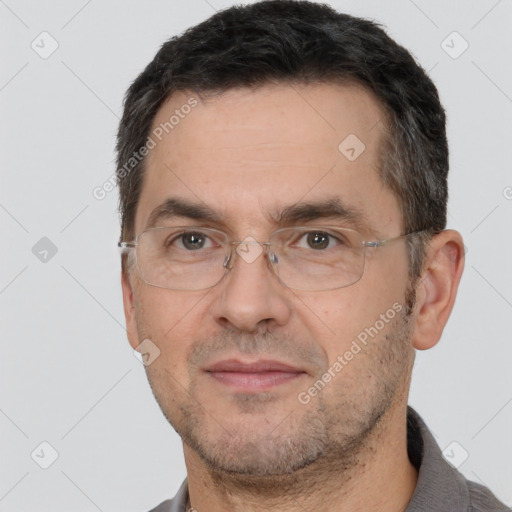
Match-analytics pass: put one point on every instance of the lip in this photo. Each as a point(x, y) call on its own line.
point(257, 376)
point(264, 365)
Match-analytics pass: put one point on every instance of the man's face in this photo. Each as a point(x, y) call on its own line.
point(248, 155)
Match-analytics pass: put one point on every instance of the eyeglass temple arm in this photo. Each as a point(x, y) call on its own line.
point(379, 243)
point(126, 246)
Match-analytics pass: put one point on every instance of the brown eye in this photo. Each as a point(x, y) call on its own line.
point(318, 240)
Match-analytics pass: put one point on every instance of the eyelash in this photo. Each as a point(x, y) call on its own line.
point(332, 237)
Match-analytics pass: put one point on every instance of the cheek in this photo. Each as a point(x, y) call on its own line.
point(164, 311)
point(337, 318)
point(171, 322)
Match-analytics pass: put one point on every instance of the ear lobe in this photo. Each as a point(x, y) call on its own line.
point(439, 282)
point(129, 310)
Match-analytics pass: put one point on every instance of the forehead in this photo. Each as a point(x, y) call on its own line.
point(246, 152)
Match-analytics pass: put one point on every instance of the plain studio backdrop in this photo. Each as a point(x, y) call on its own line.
point(69, 378)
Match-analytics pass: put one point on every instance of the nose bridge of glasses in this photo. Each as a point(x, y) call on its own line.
point(248, 241)
point(248, 249)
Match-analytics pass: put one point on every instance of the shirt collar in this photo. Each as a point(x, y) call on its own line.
point(440, 486)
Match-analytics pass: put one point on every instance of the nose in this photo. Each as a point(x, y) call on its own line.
point(250, 295)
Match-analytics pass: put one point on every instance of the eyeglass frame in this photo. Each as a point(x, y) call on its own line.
point(133, 244)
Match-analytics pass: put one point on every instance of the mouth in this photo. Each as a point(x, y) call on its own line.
point(253, 377)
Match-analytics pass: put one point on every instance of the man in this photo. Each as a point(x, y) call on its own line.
point(283, 178)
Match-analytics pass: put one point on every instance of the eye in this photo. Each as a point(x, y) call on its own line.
point(318, 240)
point(191, 241)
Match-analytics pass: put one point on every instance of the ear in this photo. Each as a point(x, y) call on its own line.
point(437, 289)
point(129, 309)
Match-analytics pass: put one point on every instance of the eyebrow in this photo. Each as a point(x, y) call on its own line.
point(174, 207)
point(332, 208)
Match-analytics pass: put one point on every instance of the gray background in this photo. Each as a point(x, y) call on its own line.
point(68, 375)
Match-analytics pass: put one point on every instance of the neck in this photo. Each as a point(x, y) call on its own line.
point(379, 477)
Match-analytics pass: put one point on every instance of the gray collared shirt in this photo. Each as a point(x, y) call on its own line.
point(440, 487)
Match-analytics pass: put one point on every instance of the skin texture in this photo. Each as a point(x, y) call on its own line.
point(246, 153)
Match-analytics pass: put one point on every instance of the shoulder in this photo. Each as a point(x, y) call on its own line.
point(441, 486)
point(177, 504)
point(166, 506)
point(483, 500)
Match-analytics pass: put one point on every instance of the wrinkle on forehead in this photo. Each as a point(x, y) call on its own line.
point(246, 151)
point(329, 110)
